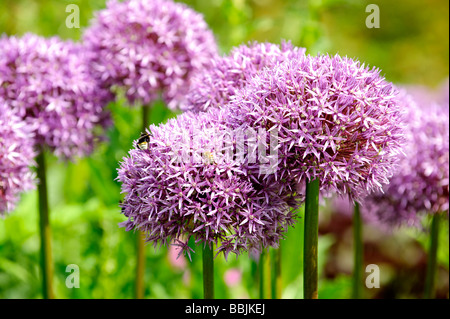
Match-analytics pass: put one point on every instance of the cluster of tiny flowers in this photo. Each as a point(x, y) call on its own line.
point(16, 157)
point(186, 183)
point(149, 48)
point(228, 74)
point(420, 184)
point(336, 120)
point(48, 83)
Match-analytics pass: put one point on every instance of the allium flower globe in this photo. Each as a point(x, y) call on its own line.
point(228, 74)
point(48, 83)
point(420, 184)
point(336, 119)
point(16, 157)
point(150, 48)
point(186, 184)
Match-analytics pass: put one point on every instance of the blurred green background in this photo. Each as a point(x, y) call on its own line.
point(410, 47)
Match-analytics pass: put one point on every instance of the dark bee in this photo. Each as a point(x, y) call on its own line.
point(143, 141)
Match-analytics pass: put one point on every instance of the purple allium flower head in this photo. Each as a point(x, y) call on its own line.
point(184, 184)
point(420, 184)
point(150, 48)
point(49, 84)
point(228, 74)
point(16, 157)
point(336, 119)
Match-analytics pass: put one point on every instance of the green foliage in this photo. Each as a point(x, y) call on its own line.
point(443, 247)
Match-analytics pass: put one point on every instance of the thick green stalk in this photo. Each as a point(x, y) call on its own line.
point(265, 275)
point(430, 280)
point(254, 270)
point(208, 272)
point(140, 265)
point(261, 274)
point(45, 231)
point(139, 288)
point(267, 282)
point(276, 273)
point(311, 233)
point(358, 254)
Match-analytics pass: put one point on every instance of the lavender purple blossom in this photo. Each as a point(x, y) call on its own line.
point(185, 184)
point(228, 74)
point(420, 184)
point(16, 157)
point(337, 120)
point(48, 83)
point(150, 48)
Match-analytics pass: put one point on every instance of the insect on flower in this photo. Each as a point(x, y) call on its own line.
point(204, 195)
point(143, 141)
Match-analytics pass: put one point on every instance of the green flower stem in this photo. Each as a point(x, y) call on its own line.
point(44, 227)
point(265, 275)
point(276, 273)
point(261, 274)
point(254, 269)
point(140, 265)
point(358, 254)
point(140, 236)
point(311, 233)
point(208, 272)
point(430, 279)
point(267, 262)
